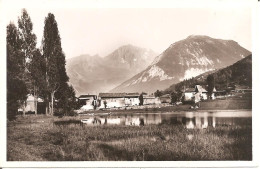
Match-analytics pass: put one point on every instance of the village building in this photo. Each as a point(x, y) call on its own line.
point(220, 94)
point(132, 99)
point(242, 89)
point(30, 105)
point(189, 94)
point(112, 100)
point(150, 99)
point(165, 98)
point(203, 92)
point(87, 101)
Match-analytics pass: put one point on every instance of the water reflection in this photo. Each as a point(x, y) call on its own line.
point(190, 120)
point(202, 120)
point(129, 120)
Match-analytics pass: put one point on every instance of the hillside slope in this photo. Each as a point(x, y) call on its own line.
point(182, 60)
point(94, 74)
point(240, 73)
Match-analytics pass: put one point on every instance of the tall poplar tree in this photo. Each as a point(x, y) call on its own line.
point(28, 40)
point(38, 72)
point(16, 88)
point(211, 85)
point(56, 75)
point(28, 47)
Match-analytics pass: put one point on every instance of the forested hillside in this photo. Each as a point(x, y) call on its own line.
point(240, 73)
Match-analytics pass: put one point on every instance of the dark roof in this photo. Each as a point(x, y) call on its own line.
point(113, 95)
point(132, 94)
point(241, 87)
point(85, 96)
point(190, 90)
point(149, 97)
point(199, 88)
point(166, 95)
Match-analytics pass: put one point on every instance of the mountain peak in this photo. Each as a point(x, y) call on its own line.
point(184, 59)
point(93, 74)
point(198, 37)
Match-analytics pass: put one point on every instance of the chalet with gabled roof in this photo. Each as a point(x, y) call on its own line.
point(189, 93)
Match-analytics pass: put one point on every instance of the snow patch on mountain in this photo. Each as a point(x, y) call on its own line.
point(193, 72)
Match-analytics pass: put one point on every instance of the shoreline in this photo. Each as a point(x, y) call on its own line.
point(170, 109)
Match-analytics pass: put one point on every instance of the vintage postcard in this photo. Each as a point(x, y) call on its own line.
point(129, 83)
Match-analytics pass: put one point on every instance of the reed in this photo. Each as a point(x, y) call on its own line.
point(37, 138)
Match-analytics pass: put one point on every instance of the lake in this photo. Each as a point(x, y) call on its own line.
point(190, 120)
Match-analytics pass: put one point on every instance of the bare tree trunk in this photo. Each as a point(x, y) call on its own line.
point(46, 108)
point(35, 99)
point(46, 105)
point(52, 102)
point(24, 108)
point(36, 105)
point(49, 111)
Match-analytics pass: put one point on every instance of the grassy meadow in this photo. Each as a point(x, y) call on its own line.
point(36, 138)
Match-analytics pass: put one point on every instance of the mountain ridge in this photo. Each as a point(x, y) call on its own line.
point(182, 60)
point(239, 73)
point(94, 74)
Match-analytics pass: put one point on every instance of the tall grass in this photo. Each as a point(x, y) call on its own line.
point(38, 139)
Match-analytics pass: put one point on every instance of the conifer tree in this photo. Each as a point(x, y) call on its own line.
point(56, 75)
point(28, 47)
point(210, 82)
point(16, 88)
point(38, 72)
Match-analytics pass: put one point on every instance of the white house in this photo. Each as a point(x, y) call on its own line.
point(30, 103)
point(165, 98)
point(189, 93)
point(86, 101)
point(112, 100)
point(132, 99)
point(151, 99)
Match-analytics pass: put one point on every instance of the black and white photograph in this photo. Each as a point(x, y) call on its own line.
point(96, 81)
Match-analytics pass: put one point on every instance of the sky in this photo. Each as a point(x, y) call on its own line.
point(102, 30)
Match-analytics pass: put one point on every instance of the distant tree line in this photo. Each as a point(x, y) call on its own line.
point(40, 72)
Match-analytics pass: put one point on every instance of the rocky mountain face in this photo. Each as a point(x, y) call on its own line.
point(239, 73)
point(94, 74)
point(183, 60)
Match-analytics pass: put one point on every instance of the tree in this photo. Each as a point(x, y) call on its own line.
point(28, 47)
point(210, 82)
point(16, 88)
point(105, 104)
point(56, 75)
point(141, 99)
point(174, 97)
point(67, 100)
point(28, 43)
point(94, 104)
point(38, 69)
point(158, 93)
